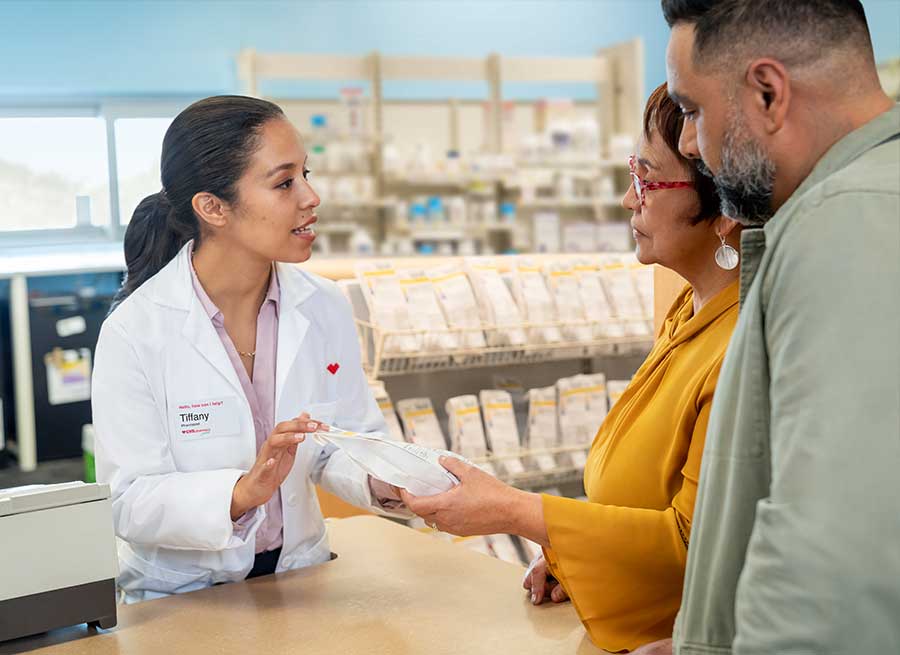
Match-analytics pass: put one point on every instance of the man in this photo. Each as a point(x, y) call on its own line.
point(796, 539)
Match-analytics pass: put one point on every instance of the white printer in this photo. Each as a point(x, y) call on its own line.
point(58, 559)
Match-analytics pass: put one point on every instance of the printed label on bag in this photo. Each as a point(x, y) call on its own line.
point(207, 418)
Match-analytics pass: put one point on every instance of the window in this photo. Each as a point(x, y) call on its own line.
point(138, 148)
point(53, 173)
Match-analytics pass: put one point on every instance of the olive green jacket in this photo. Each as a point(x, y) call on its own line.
point(795, 543)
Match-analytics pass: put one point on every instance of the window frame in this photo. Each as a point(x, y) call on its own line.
point(109, 110)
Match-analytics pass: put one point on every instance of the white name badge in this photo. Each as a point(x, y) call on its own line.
point(200, 419)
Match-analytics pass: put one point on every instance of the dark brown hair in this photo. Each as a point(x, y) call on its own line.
point(206, 148)
point(664, 117)
point(800, 31)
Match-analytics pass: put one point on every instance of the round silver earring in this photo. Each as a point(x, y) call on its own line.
point(726, 256)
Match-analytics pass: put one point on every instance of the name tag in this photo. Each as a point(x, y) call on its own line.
point(208, 418)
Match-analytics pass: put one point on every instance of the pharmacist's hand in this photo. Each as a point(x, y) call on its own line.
point(662, 647)
point(540, 584)
point(273, 463)
point(477, 505)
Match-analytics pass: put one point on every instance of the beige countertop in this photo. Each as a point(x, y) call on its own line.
point(391, 591)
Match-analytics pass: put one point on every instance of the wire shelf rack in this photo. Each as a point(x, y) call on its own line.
point(401, 352)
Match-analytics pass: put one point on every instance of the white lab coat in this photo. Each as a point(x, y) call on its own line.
point(171, 495)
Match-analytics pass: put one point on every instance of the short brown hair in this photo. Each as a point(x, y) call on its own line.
point(664, 116)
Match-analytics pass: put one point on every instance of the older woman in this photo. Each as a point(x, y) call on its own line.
point(620, 556)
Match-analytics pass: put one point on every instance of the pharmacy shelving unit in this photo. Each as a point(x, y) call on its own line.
point(382, 363)
point(79, 260)
point(488, 170)
point(440, 375)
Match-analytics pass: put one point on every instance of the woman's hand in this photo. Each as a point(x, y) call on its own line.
point(273, 463)
point(480, 504)
point(540, 584)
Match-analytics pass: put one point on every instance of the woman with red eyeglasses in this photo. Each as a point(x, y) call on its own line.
point(620, 556)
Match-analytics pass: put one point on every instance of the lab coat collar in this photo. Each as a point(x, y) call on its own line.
point(172, 287)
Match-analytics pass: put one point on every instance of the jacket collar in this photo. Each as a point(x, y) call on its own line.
point(852, 146)
point(855, 144)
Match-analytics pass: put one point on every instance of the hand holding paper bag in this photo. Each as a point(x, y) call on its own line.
point(464, 510)
point(405, 465)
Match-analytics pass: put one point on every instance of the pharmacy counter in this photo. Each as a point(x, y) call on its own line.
point(391, 590)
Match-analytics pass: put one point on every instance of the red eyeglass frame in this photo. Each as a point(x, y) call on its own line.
point(641, 186)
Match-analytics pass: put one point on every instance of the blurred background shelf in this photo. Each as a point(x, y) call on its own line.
point(441, 173)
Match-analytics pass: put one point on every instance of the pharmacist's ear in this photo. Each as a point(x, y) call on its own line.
point(210, 209)
point(724, 226)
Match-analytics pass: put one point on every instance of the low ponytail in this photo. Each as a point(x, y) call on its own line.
point(152, 240)
point(206, 149)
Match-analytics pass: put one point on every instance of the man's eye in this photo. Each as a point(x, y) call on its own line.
point(306, 173)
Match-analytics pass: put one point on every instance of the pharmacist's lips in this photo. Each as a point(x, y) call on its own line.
point(311, 220)
point(635, 228)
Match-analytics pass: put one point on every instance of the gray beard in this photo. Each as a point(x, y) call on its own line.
point(746, 179)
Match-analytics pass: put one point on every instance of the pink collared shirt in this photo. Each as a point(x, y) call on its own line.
point(260, 391)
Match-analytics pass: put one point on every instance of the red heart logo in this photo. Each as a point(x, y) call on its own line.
point(333, 368)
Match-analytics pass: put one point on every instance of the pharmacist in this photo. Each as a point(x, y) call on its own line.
point(219, 359)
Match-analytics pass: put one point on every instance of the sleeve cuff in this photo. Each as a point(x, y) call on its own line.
point(247, 525)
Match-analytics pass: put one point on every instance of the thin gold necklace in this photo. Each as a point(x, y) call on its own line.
point(242, 354)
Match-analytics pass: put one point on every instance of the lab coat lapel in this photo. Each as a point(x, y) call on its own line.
point(174, 288)
point(201, 333)
point(293, 324)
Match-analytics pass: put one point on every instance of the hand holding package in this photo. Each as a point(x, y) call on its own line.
point(410, 466)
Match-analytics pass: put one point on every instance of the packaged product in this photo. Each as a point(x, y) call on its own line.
point(596, 304)
point(454, 293)
point(381, 288)
point(502, 432)
point(425, 313)
point(542, 426)
point(496, 306)
point(420, 424)
point(534, 300)
point(465, 429)
point(563, 284)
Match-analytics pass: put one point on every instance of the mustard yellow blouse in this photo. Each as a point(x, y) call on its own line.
point(621, 555)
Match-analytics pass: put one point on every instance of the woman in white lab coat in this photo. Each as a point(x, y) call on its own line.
point(219, 357)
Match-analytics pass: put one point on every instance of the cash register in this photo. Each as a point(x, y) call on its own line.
point(58, 561)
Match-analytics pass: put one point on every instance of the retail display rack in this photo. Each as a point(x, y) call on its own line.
point(381, 362)
point(461, 176)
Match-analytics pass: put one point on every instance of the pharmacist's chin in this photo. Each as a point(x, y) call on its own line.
point(294, 253)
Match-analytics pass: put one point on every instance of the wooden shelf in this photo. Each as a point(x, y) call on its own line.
point(616, 73)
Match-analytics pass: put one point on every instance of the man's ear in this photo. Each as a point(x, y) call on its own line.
point(770, 85)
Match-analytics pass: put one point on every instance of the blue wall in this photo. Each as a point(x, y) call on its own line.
point(188, 47)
